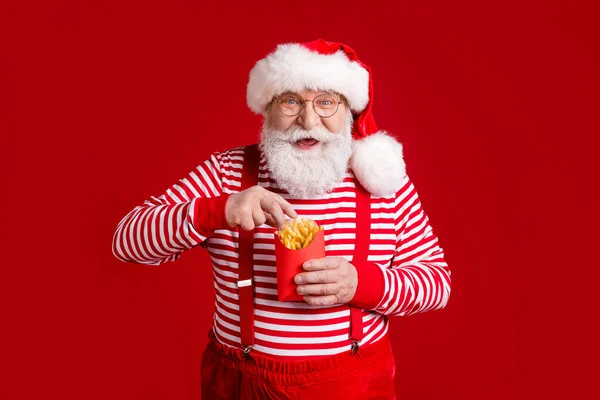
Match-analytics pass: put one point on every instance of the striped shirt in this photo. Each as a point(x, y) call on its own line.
point(406, 274)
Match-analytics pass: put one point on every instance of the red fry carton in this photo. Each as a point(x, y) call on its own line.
point(289, 264)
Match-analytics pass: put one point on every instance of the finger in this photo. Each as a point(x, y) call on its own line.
point(247, 222)
point(321, 300)
point(323, 263)
point(321, 276)
point(271, 221)
point(271, 206)
point(258, 215)
point(320, 290)
point(285, 206)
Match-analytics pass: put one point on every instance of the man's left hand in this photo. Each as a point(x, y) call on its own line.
point(328, 281)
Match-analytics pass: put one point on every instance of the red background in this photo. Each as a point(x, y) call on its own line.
point(107, 103)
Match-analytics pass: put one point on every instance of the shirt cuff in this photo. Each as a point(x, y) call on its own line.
point(370, 285)
point(209, 214)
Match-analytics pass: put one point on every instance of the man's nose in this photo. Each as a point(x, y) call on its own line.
point(308, 118)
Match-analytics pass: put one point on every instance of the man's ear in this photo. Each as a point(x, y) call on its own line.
point(343, 98)
point(268, 111)
point(267, 114)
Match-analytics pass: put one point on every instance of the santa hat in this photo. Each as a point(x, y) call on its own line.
point(377, 160)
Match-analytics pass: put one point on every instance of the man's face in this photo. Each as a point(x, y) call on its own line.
point(307, 154)
point(308, 118)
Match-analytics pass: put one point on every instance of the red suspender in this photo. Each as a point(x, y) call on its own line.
point(246, 254)
point(361, 252)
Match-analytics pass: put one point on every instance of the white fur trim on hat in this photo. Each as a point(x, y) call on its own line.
point(292, 67)
point(378, 164)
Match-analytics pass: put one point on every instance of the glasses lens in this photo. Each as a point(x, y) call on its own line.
point(290, 104)
point(326, 105)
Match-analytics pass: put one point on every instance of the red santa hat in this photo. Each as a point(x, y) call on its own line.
point(377, 160)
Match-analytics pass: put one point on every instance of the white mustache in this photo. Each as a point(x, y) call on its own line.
point(297, 133)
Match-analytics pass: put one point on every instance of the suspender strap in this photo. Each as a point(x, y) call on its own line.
point(246, 251)
point(361, 252)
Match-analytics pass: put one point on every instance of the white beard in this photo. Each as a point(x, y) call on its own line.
point(307, 173)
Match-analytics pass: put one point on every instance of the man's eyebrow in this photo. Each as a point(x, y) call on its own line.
point(318, 92)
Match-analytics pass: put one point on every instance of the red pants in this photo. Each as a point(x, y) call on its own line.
point(369, 374)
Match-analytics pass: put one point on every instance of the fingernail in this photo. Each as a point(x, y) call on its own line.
point(298, 279)
point(307, 264)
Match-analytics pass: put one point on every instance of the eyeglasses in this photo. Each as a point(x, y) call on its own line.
point(291, 104)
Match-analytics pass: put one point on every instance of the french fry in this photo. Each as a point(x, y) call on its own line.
point(289, 231)
point(304, 230)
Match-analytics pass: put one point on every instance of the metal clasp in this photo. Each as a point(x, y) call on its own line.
point(247, 351)
point(244, 283)
point(355, 346)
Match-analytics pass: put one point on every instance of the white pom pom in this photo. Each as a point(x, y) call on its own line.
point(378, 164)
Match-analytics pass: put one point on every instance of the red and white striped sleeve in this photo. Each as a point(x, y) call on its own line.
point(183, 217)
point(417, 279)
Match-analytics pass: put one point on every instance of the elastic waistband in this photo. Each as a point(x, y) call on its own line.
point(293, 373)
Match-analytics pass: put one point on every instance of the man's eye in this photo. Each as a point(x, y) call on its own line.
point(326, 103)
point(290, 102)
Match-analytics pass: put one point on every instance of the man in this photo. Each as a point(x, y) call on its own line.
point(321, 157)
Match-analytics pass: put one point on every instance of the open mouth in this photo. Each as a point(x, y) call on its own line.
point(308, 143)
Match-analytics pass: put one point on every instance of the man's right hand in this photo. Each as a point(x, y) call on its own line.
point(255, 206)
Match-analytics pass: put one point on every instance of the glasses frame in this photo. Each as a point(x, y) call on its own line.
point(304, 101)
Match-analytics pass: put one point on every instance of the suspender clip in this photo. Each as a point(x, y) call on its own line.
point(247, 351)
point(355, 346)
point(244, 283)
